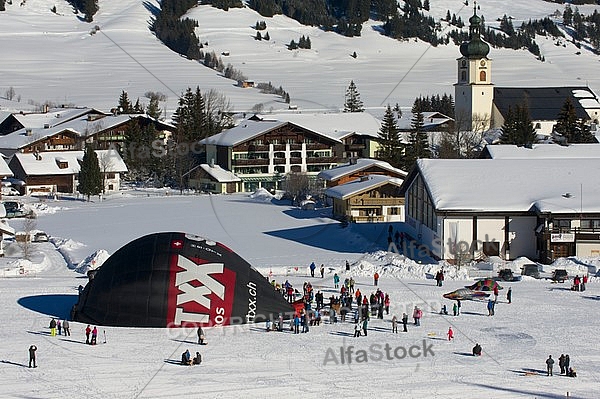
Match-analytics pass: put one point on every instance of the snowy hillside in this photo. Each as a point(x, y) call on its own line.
point(55, 57)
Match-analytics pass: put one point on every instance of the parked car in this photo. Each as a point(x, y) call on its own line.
point(531, 270)
point(40, 236)
point(560, 275)
point(506, 275)
point(15, 209)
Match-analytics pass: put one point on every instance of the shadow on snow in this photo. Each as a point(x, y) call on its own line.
point(56, 305)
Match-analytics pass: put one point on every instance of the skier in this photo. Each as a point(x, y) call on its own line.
point(88, 331)
point(509, 295)
point(312, 269)
point(53, 327)
point(450, 334)
point(94, 335)
point(200, 333)
point(32, 350)
point(549, 364)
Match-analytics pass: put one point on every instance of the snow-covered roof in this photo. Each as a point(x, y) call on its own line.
point(509, 151)
point(343, 191)
point(336, 125)
point(53, 117)
point(80, 126)
point(46, 163)
point(513, 185)
point(219, 174)
point(430, 120)
point(361, 164)
point(4, 169)
point(245, 131)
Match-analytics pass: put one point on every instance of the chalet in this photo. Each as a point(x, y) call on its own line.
point(58, 171)
point(214, 179)
point(358, 168)
point(370, 198)
point(470, 209)
point(102, 131)
point(4, 169)
point(46, 119)
point(261, 150)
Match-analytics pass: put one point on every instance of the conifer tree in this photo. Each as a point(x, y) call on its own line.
point(566, 124)
point(390, 147)
point(90, 177)
point(125, 106)
point(352, 102)
point(258, 36)
point(418, 146)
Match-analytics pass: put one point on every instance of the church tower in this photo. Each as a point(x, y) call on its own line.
point(474, 91)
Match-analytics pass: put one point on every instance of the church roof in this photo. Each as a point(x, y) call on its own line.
point(544, 103)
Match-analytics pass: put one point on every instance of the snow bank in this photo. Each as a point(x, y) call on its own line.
point(68, 249)
point(24, 267)
point(93, 261)
point(42, 208)
point(262, 195)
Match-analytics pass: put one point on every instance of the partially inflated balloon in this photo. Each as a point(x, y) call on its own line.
point(177, 279)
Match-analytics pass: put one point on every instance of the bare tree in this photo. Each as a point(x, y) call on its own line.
point(464, 138)
point(218, 110)
point(105, 160)
point(10, 93)
point(29, 225)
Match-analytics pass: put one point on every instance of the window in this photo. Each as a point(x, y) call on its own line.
point(463, 75)
point(482, 76)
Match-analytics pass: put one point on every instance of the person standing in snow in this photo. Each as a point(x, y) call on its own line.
point(351, 282)
point(496, 292)
point(32, 350)
point(395, 324)
point(53, 327)
point(458, 305)
point(561, 363)
point(94, 336)
point(88, 331)
point(322, 270)
point(567, 362)
point(200, 333)
point(312, 269)
point(336, 281)
point(365, 325)
point(450, 334)
point(386, 303)
point(490, 307)
point(417, 313)
point(59, 327)
point(347, 266)
point(549, 364)
point(66, 328)
point(375, 279)
point(356, 330)
point(404, 321)
point(509, 295)
point(455, 309)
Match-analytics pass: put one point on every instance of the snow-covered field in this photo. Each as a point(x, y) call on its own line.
point(246, 361)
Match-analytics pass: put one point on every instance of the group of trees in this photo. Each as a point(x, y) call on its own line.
point(175, 32)
point(87, 7)
point(224, 4)
point(303, 42)
point(584, 27)
point(443, 104)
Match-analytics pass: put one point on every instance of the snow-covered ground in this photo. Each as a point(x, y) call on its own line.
point(246, 361)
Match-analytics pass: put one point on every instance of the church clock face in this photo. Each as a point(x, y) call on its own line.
point(463, 63)
point(482, 63)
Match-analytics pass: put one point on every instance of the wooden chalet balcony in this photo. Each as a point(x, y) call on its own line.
point(320, 160)
point(296, 147)
point(247, 162)
point(354, 147)
point(278, 161)
point(317, 146)
point(377, 201)
point(368, 218)
point(62, 142)
point(279, 147)
point(295, 160)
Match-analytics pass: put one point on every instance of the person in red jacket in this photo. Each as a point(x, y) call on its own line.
point(450, 334)
point(88, 331)
point(376, 278)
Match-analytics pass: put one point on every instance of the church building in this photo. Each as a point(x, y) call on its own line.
point(479, 105)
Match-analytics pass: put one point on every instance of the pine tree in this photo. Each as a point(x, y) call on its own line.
point(508, 128)
point(153, 110)
point(258, 36)
point(566, 124)
point(583, 134)
point(352, 102)
point(525, 132)
point(90, 177)
point(267, 37)
point(418, 146)
point(390, 147)
point(125, 106)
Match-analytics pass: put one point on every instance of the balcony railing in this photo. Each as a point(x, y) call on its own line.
point(320, 160)
point(377, 201)
point(245, 162)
